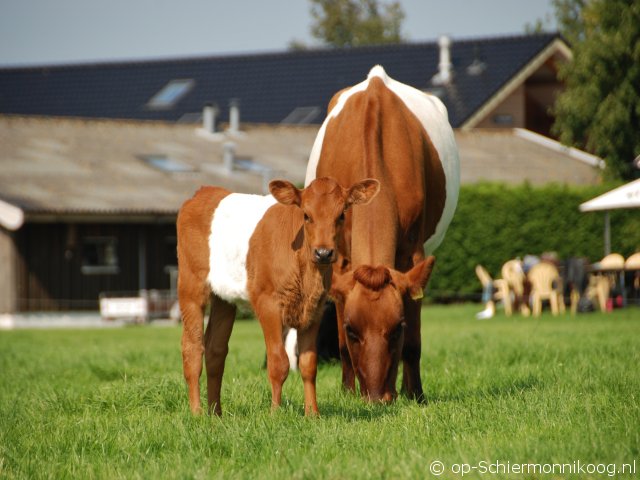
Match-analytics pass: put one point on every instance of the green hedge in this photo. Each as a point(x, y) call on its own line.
point(495, 222)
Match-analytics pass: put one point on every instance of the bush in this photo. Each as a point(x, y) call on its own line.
point(496, 222)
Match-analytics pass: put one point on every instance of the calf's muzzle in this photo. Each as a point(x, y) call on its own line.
point(323, 255)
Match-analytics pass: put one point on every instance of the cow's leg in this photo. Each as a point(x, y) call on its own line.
point(348, 374)
point(412, 346)
point(308, 364)
point(268, 313)
point(192, 299)
point(216, 347)
point(411, 351)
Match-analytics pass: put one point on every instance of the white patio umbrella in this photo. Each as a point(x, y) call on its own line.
point(626, 196)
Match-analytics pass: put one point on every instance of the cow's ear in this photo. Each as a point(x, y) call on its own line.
point(341, 285)
point(363, 192)
point(415, 280)
point(285, 192)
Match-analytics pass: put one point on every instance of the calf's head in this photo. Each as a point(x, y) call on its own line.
point(323, 205)
point(373, 300)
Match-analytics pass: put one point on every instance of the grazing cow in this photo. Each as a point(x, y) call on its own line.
point(274, 251)
point(400, 136)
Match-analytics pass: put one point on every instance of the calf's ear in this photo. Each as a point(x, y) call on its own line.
point(417, 278)
point(285, 192)
point(341, 285)
point(363, 192)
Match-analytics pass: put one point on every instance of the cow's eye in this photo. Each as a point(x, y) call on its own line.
point(396, 332)
point(341, 217)
point(352, 334)
point(307, 218)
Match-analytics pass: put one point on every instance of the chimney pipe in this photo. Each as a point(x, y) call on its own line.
point(444, 65)
point(209, 114)
point(228, 155)
point(234, 115)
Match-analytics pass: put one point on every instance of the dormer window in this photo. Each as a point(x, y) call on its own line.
point(170, 94)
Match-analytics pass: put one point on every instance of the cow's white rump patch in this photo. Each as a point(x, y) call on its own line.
point(233, 223)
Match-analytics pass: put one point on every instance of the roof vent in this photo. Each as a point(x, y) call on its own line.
point(209, 114)
point(234, 115)
point(478, 65)
point(228, 155)
point(445, 73)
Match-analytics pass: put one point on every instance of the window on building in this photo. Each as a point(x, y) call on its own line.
point(170, 94)
point(167, 164)
point(100, 256)
point(503, 119)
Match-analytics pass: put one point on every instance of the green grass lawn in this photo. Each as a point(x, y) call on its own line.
point(113, 404)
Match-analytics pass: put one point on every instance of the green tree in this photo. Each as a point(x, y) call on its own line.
point(344, 23)
point(565, 18)
point(600, 108)
point(568, 15)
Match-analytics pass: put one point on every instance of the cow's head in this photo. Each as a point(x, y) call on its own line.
point(373, 300)
point(323, 205)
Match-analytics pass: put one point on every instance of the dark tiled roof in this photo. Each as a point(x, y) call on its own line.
point(268, 86)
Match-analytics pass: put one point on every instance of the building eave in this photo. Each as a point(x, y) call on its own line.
point(576, 154)
point(101, 217)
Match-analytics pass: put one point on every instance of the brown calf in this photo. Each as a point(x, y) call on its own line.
point(275, 252)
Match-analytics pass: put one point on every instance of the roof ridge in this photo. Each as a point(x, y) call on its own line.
point(319, 50)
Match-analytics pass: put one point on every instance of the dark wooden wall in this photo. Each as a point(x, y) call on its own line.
point(50, 259)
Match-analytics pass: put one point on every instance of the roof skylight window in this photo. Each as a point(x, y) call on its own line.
point(170, 94)
point(302, 115)
point(167, 164)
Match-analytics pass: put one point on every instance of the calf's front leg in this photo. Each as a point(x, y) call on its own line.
point(268, 313)
point(308, 364)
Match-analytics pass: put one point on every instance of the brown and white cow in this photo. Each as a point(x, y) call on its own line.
point(400, 136)
point(276, 252)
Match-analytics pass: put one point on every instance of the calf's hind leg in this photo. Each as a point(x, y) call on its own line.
point(216, 347)
point(192, 349)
